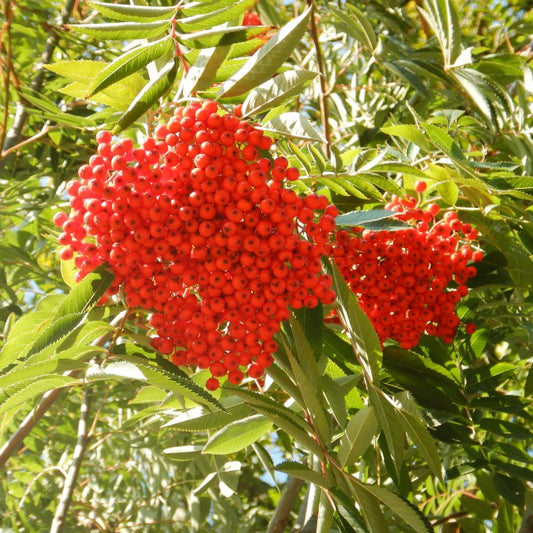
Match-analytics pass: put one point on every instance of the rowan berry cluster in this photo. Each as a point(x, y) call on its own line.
point(202, 233)
point(408, 281)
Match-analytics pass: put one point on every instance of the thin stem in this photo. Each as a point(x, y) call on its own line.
point(68, 488)
point(6, 29)
point(323, 97)
point(286, 502)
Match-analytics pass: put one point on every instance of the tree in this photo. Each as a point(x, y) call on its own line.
point(357, 425)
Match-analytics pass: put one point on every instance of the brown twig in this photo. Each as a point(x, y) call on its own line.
point(68, 488)
point(6, 29)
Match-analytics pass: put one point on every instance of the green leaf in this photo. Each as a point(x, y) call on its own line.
point(204, 70)
point(276, 91)
point(423, 442)
point(363, 336)
point(220, 36)
point(115, 369)
point(390, 423)
point(293, 125)
point(238, 435)
point(27, 391)
point(85, 295)
point(130, 62)
point(151, 93)
point(356, 25)
point(405, 511)
point(266, 62)
point(214, 17)
point(442, 17)
point(119, 95)
point(357, 436)
point(360, 218)
point(132, 13)
point(294, 425)
point(171, 381)
point(198, 419)
point(122, 31)
point(301, 471)
point(410, 133)
point(184, 453)
point(306, 376)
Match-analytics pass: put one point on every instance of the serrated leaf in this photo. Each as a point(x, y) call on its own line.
point(423, 442)
point(238, 435)
point(119, 95)
point(184, 453)
point(204, 70)
point(132, 13)
point(306, 163)
point(293, 125)
point(357, 436)
point(389, 421)
point(276, 91)
point(360, 218)
point(27, 372)
point(357, 25)
point(410, 133)
point(27, 391)
point(173, 382)
point(306, 376)
point(85, 295)
point(214, 17)
point(224, 36)
point(405, 511)
point(123, 31)
point(443, 20)
point(130, 62)
point(198, 419)
point(266, 62)
point(151, 93)
point(115, 369)
point(51, 112)
point(360, 330)
point(294, 425)
point(301, 471)
point(54, 332)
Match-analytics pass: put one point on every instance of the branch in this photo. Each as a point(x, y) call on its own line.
point(68, 488)
point(286, 502)
point(14, 135)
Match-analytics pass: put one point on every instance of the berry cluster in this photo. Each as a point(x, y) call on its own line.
point(201, 232)
point(408, 281)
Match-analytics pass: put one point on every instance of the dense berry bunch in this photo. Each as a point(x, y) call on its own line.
point(408, 281)
point(201, 232)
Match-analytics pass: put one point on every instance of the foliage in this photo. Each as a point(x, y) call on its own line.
point(346, 435)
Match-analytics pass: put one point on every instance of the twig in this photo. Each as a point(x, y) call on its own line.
point(68, 488)
point(286, 502)
point(323, 98)
point(6, 28)
point(29, 140)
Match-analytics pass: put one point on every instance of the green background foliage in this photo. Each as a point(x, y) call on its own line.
point(365, 98)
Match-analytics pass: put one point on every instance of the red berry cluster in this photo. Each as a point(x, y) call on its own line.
point(201, 232)
point(408, 281)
